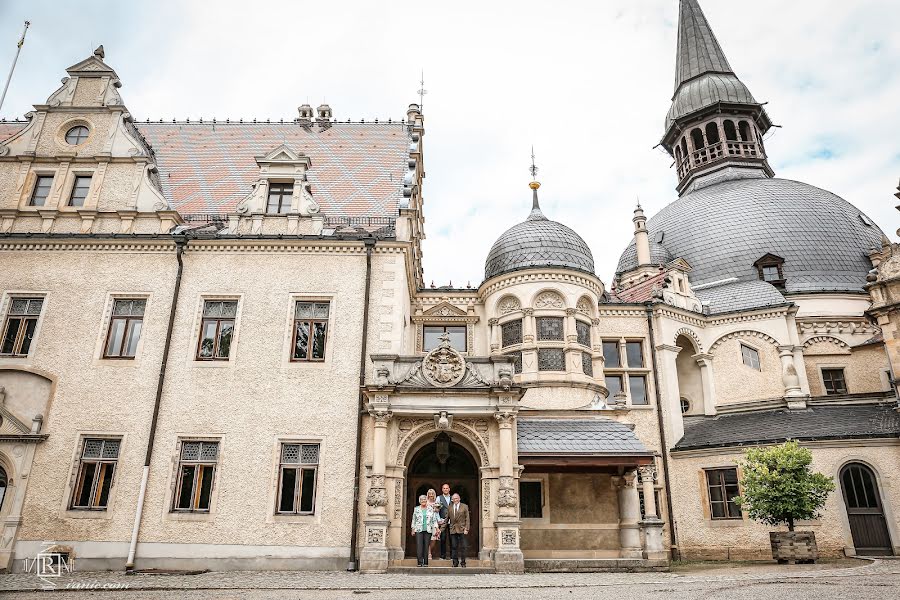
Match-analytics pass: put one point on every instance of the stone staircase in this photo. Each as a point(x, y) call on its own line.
point(441, 567)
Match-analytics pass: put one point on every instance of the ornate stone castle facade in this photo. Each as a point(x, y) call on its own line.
point(218, 350)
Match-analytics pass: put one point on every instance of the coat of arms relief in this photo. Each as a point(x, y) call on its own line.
point(444, 366)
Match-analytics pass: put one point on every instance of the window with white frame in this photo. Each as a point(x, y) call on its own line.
point(297, 475)
point(196, 475)
point(625, 370)
point(96, 469)
point(20, 325)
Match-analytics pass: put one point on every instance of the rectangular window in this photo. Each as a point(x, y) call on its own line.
point(80, 190)
point(531, 505)
point(770, 273)
point(722, 487)
point(196, 471)
point(583, 330)
point(279, 198)
point(125, 328)
point(637, 384)
point(550, 328)
point(614, 385)
point(21, 323)
point(216, 329)
point(310, 330)
point(587, 364)
point(750, 357)
point(431, 336)
point(517, 361)
point(297, 478)
point(611, 355)
point(511, 333)
point(551, 359)
point(634, 353)
point(834, 381)
point(42, 185)
point(96, 469)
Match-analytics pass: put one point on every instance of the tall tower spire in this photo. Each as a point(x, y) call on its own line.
point(714, 122)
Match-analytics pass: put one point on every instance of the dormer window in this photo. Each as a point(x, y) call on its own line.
point(280, 195)
point(769, 269)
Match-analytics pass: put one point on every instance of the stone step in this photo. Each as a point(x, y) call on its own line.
point(437, 562)
point(429, 570)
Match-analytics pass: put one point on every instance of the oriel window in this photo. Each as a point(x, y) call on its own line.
point(550, 328)
point(583, 331)
point(310, 331)
point(20, 326)
point(279, 198)
point(96, 469)
point(125, 328)
point(196, 474)
point(80, 190)
point(431, 336)
point(216, 329)
point(42, 185)
point(511, 333)
point(297, 476)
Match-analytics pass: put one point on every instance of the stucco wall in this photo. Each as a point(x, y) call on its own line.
point(863, 367)
point(735, 381)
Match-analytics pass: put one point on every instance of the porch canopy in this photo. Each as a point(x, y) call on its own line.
point(578, 444)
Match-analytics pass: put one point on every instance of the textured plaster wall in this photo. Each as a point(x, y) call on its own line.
point(56, 124)
point(699, 537)
point(87, 91)
point(863, 367)
point(737, 382)
point(689, 381)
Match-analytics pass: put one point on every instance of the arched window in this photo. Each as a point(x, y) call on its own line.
point(730, 131)
point(746, 134)
point(712, 133)
point(684, 149)
point(697, 138)
point(4, 481)
point(677, 155)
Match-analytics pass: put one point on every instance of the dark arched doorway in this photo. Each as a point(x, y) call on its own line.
point(865, 511)
point(444, 461)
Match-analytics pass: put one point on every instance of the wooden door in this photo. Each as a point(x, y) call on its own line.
point(865, 510)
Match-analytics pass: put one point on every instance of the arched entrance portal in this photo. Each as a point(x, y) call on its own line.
point(865, 510)
point(440, 461)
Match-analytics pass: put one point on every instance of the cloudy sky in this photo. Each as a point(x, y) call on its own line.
point(586, 83)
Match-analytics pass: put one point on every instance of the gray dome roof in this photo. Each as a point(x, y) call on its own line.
point(538, 242)
point(722, 229)
point(707, 90)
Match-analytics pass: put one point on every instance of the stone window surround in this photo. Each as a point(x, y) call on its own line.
point(31, 185)
point(63, 129)
point(703, 496)
point(544, 480)
point(109, 303)
point(287, 352)
point(4, 308)
point(468, 320)
point(624, 372)
point(198, 324)
point(819, 368)
point(170, 514)
point(64, 176)
point(75, 513)
point(271, 515)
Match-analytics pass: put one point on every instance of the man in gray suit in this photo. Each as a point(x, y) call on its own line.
point(443, 508)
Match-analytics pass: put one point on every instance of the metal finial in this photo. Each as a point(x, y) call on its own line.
point(533, 167)
point(422, 91)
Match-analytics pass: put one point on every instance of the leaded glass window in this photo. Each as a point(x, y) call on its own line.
point(583, 330)
point(217, 329)
point(517, 361)
point(551, 359)
point(310, 330)
point(511, 332)
point(550, 328)
point(196, 473)
point(587, 364)
point(297, 478)
point(125, 328)
point(96, 469)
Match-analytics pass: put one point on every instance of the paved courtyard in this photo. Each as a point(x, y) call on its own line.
point(870, 580)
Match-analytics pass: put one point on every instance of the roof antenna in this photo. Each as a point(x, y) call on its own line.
point(15, 59)
point(422, 91)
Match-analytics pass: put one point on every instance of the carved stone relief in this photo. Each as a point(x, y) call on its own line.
point(549, 300)
point(508, 304)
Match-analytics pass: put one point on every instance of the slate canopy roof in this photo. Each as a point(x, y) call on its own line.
point(577, 437)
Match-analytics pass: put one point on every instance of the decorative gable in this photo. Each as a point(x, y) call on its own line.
point(444, 309)
point(93, 66)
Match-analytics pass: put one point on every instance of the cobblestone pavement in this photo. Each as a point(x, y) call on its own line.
point(874, 580)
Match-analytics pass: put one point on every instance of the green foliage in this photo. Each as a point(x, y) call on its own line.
point(779, 487)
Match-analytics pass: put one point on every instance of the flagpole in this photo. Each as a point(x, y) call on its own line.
point(15, 59)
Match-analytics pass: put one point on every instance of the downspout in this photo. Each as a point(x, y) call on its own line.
point(673, 544)
point(361, 409)
point(180, 244)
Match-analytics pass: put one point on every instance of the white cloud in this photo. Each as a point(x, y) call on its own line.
point(587, 83)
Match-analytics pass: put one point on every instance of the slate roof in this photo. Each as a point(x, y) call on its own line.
point(740, 295)
point(538, 242)
point(577, 437)
point(853, 421)
point(357, 168)
point(722, 229)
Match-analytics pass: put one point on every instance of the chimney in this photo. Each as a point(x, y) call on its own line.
point(305, 114)
point(324, 115)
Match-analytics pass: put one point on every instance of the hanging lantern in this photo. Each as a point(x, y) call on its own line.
point(442, 447)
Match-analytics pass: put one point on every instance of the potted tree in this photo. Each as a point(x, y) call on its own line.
point(779, 488)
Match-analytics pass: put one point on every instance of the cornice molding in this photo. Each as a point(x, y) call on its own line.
point(502, 282)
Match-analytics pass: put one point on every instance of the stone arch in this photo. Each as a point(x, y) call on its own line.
point(688, 332)
point(585, 306)
point(507, 304)
point(419, 435)
point(743, 333)
point(549, 298)
point(826, 338)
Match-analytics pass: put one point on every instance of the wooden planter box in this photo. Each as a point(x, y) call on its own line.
point(796, 546)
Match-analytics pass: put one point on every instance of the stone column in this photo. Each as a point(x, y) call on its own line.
point(652, 525)
point(528, 326)
point(495, 335)
point(572, 349)
point(597, 357)
point(374, 556)
point(707, 381)
point(790, 378)
point(670, 393)
point(508, 557)
point(629, 515)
